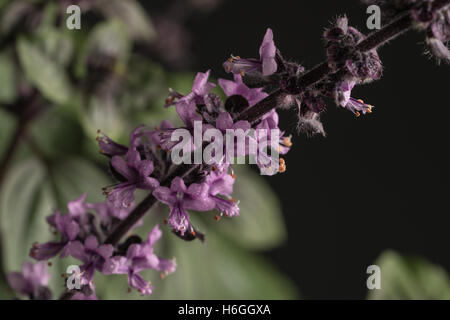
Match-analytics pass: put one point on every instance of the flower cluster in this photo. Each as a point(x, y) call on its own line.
point(82, 230)
point(92, 233)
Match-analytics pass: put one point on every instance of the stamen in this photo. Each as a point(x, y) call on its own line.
point(287, 142)
point(162, 276)
point(217, 218)
point(282, 167)
point(242, 73)
point(357, 114)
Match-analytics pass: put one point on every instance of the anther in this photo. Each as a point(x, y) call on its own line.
point(282, 167)
point(287, 142)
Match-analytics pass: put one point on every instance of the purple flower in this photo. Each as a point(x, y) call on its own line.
point(92, 255)
point(237, 87)
point(270, 122)
point(186, 106)
point(77, 207)
point(67, 227)
point(266, 64)
point(108, 147)
point(134, 170)
point(172, 98)
point(141, 257)
point(267, 53)
point(220, 188)
point(107, 212)
point(32, 281)
point(225, 121)
point(343, 97)
point(180, 198)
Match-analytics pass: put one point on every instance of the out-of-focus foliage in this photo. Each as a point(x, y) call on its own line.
point(410, 278)
point(93, 79)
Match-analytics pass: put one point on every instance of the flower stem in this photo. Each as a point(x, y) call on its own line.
point(398, 26)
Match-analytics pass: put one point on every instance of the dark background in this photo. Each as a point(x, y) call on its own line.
point(376, 182)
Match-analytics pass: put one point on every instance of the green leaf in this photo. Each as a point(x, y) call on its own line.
point(7, 79)
point(132, 15)
point(260, 225)
point(43, 72)
point(410, 278)
point(17, 204)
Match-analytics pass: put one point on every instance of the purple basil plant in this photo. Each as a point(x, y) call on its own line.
point(93, 233)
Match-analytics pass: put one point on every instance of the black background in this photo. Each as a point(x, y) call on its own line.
point(376, 182)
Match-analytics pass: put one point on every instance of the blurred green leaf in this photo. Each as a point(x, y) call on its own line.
point(58, 134)
point(260, 225)
point(8, 91)
point(134, 17)
point(104, 115)
point(58, 45)
point(43, 72)
point(17, 202)
point(410, 278)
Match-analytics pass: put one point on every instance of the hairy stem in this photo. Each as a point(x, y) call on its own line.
point(378, 38)
point(398, 26)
